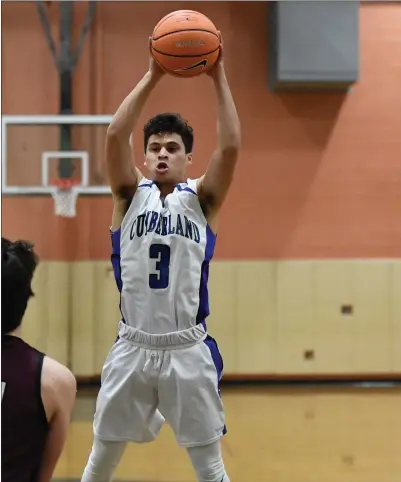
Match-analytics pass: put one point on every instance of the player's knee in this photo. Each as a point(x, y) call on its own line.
point(208, 463)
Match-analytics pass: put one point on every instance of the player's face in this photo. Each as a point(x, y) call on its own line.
point(166, 159)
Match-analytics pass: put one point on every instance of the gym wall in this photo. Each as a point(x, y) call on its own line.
point(306, 278)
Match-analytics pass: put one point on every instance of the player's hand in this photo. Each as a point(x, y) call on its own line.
point(218, 67)
point(154, 68)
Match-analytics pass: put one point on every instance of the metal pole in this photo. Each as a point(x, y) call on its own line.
point(65, 166)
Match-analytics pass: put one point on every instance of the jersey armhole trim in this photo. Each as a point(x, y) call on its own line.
point(145, 182)
point(187, 189)
point(114, 232)
point(194, 183)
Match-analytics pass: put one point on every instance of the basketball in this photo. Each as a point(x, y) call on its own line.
point(185, 43)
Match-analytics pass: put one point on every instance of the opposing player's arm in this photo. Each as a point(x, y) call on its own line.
point(213, 186)
point(58, 387)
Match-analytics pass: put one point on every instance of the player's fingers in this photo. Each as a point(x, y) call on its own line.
point(221, 52)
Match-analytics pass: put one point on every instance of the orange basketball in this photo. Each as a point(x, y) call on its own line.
point(185, 43)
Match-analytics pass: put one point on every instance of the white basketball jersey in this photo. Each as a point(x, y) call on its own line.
point(161, 255)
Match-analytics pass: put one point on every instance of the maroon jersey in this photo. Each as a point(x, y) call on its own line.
point(24, 425)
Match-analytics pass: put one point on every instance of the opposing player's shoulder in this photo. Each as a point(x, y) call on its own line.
point(57, 378)
point(58, 386)
point(56, 374)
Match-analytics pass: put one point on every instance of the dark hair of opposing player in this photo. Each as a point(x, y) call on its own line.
point(18, 264)
point(169, 123)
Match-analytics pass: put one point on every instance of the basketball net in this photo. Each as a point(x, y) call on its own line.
point(65, 195)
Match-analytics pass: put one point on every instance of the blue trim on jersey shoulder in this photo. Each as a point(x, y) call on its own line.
point(116, 261)
point(146, 185)
point(203, 310)
point(187, 189)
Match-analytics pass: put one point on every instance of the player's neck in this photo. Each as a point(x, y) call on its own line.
point(16, 332)
point(166, 188)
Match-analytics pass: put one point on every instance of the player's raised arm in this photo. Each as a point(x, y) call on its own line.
point(213, 186)
point(122, 173)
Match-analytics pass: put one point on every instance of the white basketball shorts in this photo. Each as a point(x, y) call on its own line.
point(148, 378)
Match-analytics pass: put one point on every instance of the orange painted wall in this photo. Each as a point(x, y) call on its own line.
point(319, 176)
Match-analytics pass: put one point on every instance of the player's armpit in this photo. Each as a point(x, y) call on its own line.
point(58, 394)
point(121, 203)
point(122, 174)
point(214, 185)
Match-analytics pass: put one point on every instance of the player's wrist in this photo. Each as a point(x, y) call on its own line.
point(218, 71)
point(219, 77)
point(153, 76)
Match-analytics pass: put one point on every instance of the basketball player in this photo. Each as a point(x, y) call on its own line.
point(164, 364)
point(38, 393)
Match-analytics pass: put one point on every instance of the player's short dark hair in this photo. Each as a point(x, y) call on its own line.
point(18, 264)
point(169, 123)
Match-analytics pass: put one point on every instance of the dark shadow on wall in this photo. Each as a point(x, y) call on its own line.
point(311, 120)
point(315, 112)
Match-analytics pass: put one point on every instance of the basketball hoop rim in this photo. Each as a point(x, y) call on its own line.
point(64, 184)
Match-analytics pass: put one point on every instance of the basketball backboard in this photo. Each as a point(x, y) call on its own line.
point(34, 146)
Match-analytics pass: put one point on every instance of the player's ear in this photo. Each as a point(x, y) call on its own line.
point(189, 158)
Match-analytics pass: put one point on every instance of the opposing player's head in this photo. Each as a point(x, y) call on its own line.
point(168, 142)
point(18, 264)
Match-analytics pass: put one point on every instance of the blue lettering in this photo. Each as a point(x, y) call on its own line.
point(153, 221)
point(196, 233)
point(164, 226)
point(179, 229)
point(159, 225)
point(147, 221)
point(140, 225)
point(131, 234)
point(171, 229)
point(188, 228)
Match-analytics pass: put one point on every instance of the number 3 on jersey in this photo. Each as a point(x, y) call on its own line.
point(160, 252)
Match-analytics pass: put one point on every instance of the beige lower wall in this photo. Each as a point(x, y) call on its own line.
point(274, 435)
point(268, 317)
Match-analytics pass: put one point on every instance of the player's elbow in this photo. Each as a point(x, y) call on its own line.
point(229, 152)
point(117, 133)
point(112, 132)
point(230, 144)
point(235, 137)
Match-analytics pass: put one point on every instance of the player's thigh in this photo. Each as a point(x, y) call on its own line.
point(127, 399)
point(189, 396)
